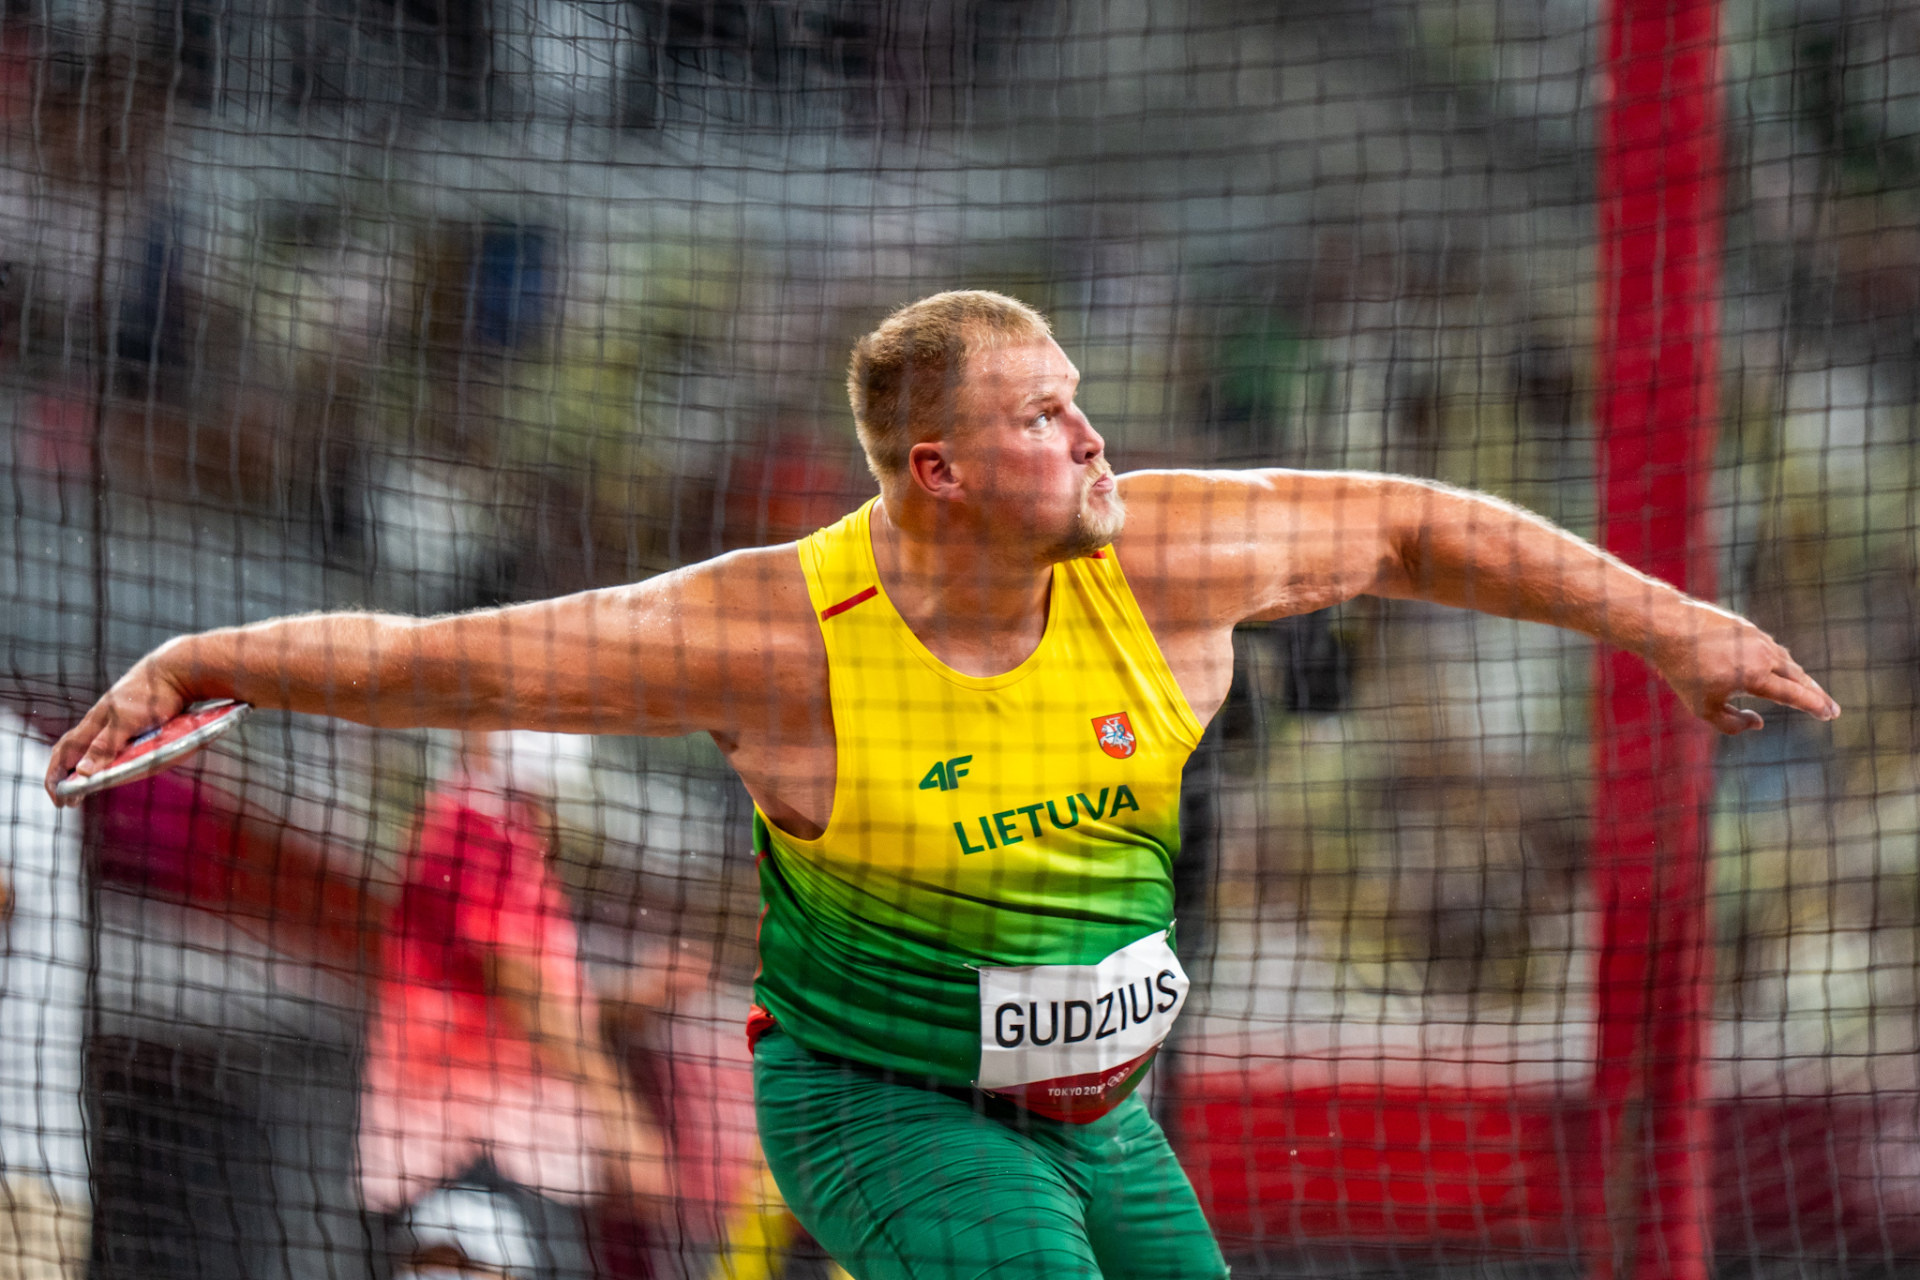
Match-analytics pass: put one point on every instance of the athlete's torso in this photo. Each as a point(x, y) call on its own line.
point(1027, 818)
point(784, 750)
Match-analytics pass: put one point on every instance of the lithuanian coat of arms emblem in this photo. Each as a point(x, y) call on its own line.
point(1115, 733)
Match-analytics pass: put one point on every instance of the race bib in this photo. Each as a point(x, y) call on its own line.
point(1068, 1041)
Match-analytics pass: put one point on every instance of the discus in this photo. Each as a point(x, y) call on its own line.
point(160, 747)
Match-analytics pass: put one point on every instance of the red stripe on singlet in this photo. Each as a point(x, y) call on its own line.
point(861, 598)
point(759, 1022)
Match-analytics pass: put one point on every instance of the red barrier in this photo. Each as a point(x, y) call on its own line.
point(1393, 1164)
point(1660, 235)
point(1512, 1170)
point(1626, 1171)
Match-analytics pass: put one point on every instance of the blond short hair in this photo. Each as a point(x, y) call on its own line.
point(903, 376)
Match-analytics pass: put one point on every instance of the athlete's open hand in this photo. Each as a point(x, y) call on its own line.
point(1711, 657)
point(144, 697)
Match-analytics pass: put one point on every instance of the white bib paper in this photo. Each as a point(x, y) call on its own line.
point(1054, 1034)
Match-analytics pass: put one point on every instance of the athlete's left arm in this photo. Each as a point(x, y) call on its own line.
point(1209, 550)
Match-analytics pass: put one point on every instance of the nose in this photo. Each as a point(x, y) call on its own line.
point(1087, 443)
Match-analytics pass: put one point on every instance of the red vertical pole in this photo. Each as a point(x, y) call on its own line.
point(1660, 236)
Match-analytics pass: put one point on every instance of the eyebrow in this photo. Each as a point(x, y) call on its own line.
point(1073, 384)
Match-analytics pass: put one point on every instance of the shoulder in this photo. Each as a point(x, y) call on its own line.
point(744, 611)
point(1218, 512)
point(744, 622)
point(1187, 496)
point(1181, 521)
point(1219, 547)
point(764, 580)
point(1180, 526)
point(754, 591)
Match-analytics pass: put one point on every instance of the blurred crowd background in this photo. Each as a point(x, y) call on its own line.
point(425, 305)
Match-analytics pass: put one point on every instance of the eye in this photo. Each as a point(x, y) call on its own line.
point(1043, 419)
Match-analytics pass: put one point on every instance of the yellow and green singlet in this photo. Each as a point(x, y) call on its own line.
point(1025, 818)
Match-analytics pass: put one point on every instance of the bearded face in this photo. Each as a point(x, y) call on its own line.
point(1029, 458)
point(1099, 520)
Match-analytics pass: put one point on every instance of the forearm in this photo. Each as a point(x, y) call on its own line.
point(680, 653)
point(371, 668)
point(620, 660)
point(1477, 552)
point(572, 665)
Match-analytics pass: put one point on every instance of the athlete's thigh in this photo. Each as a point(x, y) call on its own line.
point(1143, 1220)
point(903, 1183)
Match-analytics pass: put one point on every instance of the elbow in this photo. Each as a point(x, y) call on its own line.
point(1407, 564)
point(1421, 523)
point(1396, 577)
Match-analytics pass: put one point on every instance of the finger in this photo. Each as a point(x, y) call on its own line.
point(100, 752)
point(1789, 668)
point(1802, 694)
point(89, 747)
point(57, 765)
point(71, 748)
point(1734, 721)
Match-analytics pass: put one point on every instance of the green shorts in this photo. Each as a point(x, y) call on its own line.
point(898, 1181)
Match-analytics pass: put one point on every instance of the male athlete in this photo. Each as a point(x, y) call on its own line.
point(962, 713)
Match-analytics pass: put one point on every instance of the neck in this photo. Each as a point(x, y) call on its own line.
point(980, 611)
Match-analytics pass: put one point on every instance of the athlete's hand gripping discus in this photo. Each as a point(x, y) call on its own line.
point(160, 747)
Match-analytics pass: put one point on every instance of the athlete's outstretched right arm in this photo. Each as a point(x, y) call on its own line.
point(658, 658)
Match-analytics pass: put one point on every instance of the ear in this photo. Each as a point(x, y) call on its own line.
point(930, 466)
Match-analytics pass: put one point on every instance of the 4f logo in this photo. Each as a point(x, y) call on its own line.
point(945, 774)
point(1115, 733)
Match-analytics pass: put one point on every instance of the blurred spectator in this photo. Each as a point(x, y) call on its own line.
point(45, 1212)
point(763, 1239)
point(491, 1110)
point(659, 1020)
point(789, 486)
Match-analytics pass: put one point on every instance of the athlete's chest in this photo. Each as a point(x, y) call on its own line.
point(1009, 806)
point(1083, 739)
point(1033, 777)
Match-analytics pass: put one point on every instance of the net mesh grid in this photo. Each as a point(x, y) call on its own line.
point(431, 306)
